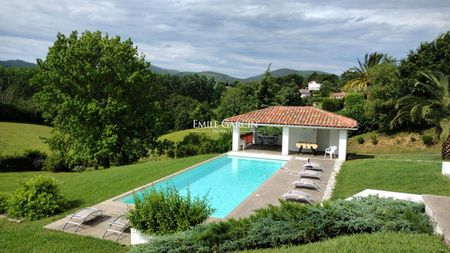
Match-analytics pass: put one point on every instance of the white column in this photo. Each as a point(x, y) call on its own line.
point(236, 137)
point(285, 141)
point(253, 134)
point(342, 149)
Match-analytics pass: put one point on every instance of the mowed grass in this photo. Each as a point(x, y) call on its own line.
point(213, 133)
point(413, 173)
point(82, 189)
point(376, 243)
point(15, 138)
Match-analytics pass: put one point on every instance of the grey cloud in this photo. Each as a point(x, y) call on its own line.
point(237, 38)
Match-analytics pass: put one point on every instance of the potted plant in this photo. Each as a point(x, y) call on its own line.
point(164, 211)
point(446, 157)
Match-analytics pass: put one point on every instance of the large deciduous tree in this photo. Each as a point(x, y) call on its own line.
point(99, 94)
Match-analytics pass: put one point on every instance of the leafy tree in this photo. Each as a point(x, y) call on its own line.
point(178, 110)
point(430, 56)
point(266, 90)
point(289, 95)
point(325, 89)
point(100, 96)
point(354, 108)
point(382, 95)
point(202, 112)
point(198, 87)
point(331, 104)
point(362, 81)
point(237, 100)
point(433, 105)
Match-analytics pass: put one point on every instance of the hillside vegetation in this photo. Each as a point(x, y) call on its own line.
point(398, 143)
point(15, 138)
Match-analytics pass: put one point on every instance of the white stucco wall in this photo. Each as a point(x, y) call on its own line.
point(323, 139)
point(301, 135)
point(334, 138)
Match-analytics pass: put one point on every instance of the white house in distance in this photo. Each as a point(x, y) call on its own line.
point(299, 124)
point(313, 85)
point(304, 93)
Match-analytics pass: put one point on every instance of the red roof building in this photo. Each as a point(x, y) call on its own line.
point(307, 116)
point(301, 125)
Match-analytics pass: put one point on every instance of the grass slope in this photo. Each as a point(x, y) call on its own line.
point(376, 243)
point(18, 137)
point(83, 189)
point(214, 133)
point(398, 143)
point(414, 173)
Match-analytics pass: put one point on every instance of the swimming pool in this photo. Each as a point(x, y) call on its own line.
point(227, 180)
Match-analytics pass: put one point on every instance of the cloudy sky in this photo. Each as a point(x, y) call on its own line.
point(239, 38)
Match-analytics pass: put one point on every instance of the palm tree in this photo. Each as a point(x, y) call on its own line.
point(434, 108)
point(362, 81)
point(446, 149)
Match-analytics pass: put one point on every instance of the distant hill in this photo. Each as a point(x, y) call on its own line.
point(157, 69)
point(17, 64)
point(283, 72)
point(219, 77)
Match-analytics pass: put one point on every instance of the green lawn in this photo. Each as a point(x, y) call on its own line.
point(18, 137)
point(413, 173)
point(83, 189)
point(179, 135)
point(377, 243)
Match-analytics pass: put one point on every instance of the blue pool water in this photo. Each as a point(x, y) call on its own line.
point(227, 180)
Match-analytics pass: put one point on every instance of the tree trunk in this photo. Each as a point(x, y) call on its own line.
point(446, 149)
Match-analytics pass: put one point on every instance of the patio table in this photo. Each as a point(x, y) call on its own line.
point(308, 145)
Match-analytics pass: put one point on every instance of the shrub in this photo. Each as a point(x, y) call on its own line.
point(374, 139)
point(195, 144)
point(3, 202)
point(30, 160)
point(412, 138)
point(37, 198)
point(427, 139)
point(166, 211)
point(56, 163)
point(360, 140)
point(331, 104)
point(292, 223)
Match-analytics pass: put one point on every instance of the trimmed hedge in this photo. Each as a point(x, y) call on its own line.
point(292, 224)
point(13, 113)
point(30, 160)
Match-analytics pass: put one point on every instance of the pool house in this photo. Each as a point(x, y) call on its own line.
point(294, 129)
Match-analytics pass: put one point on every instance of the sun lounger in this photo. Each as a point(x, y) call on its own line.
point(311, 174)
point(307, 184)
point(312, 166)
point(83, 215)
point(117, 226)
point(298, 196)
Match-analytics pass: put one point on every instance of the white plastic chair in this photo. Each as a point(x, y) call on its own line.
point(330, 151)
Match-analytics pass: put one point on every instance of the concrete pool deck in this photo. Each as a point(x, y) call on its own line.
point(267, 193)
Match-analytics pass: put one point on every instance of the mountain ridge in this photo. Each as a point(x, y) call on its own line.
point(219, 77)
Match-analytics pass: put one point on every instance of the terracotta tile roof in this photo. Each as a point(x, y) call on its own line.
point(295, 116)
